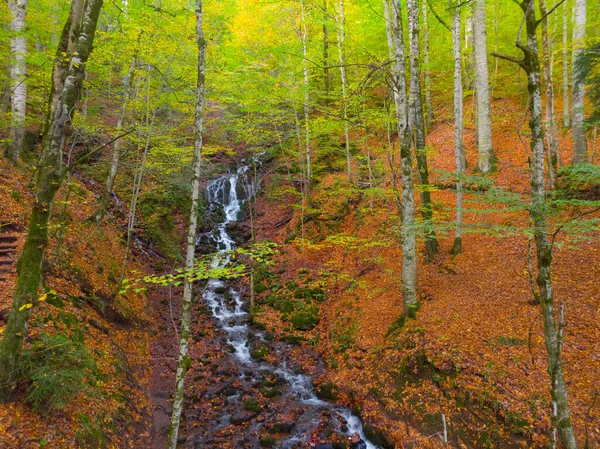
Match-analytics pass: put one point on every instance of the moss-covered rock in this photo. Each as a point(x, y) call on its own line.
point(305, 319)
point(267, 441)
point(326, 391)
point(252, 405)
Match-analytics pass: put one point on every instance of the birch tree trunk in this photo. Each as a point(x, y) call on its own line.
point(577, 125)
point(426, 65)
point(482, 86)
point(417, 123)
point(306, 93)
point(552, 330)
point(550, 122)
point(183, 362)
point(48, 181)
point(565, 65)
point(341, 23)
point(66, 45)
point(116, 149)
point(327, 79)
point(458, 128)
point(469, 78)
point(18, 76)
point(409, 260)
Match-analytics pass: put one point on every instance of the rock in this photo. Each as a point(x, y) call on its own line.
point(230, 391)
point(241, 417)
point(181, 439)
point(220, 290)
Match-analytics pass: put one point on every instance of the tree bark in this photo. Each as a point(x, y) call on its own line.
point(66, 46)
point(326, 76)
point(426, 65)
point(18, 75)
point(341, 23)
point(482, 86)
point(458, 127)
point(49, 177)
point(304, 35)
point(550, 122)
point(552, 331)
point(565, 65)
point(183, 361)
point(577, 126)
point(417, 122)
point(409, 260)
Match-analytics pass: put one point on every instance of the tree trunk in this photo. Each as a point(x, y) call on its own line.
point(327, 79)
point(49, 177)
point(409, 260)
point(468, 55)
point(341, 23)
point(116, 150)
point(552, 332)
point(458, 128)
point(183, 362)
point(565, 65)
point(432, 246)
point(18, 76)
point(577, 126)
point(550, 122)
point(482, 86)
point(306, 93)
point(428, 104)
point(66, 46)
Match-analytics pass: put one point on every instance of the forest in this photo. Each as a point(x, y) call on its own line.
point(346, 224)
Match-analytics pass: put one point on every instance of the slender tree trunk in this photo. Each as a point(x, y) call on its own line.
point(550, 122)
point(577, 126)
point(341, 23)
point(306, 93)
point(183, 362)
point(552, 330)
point(66, 46)
point(18, 76)
point(116, 150)
point(326, 76)
point(565, 65)
point(427, 66)
point(468, 53)
point(409, 259)
point(482, 86)
point(432, 246)
point(49, 177)
point(458, 128)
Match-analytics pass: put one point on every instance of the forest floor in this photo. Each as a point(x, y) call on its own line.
point(475, 353)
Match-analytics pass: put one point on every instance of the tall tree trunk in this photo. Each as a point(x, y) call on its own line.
point(552, 330)
point(468, 55)
point(66, 46)
point(116, 149)
point(341, 23)
point(409, 259)
point(18, 76)
point(326, 76)
point(550, 122)
point(432, 246)
point(577, 126)
point(304, 35)
point(426, 65)
point(565, 65)
point(49, 177)
point(458, 128)
point(482, 86)
point(183, 362)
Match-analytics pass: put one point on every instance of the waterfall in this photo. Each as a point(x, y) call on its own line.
point(231, 318)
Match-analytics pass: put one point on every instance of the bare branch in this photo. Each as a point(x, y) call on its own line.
point(509, 58)
point(550, 12)
point(438, 17)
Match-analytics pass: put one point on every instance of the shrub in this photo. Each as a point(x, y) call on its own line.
point(56, 368)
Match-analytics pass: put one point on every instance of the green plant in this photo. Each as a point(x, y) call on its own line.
point(56, 368)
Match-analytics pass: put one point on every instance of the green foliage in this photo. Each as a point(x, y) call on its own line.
point(306, 318)
point(57, 368)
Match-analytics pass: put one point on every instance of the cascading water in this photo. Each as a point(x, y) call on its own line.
point(227, 308)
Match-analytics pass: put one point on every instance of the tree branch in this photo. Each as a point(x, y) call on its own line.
point(550, 12)
point(437, 16)
point(509, 58)
point(91, 153)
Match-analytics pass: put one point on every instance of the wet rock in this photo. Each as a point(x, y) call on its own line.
point(220, 290)
point(241, 417)
point(230, 391)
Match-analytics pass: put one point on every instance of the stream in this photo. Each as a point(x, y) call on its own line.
point(226, 305)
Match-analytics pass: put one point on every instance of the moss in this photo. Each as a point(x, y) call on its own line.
point(259, 288)
point(260, 353)
point(327, 391)
point(252, 405)
point(267, 441)
point(305, 319)
point(377, 437)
